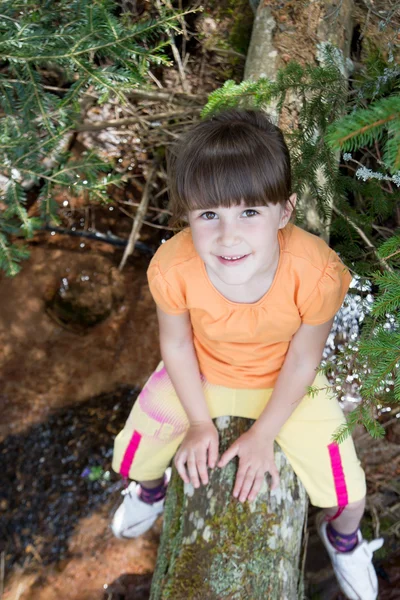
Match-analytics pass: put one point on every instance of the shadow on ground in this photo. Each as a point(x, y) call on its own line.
point(56, 473)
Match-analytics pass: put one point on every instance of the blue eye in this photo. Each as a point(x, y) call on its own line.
point(250, 212)
point(208, 215)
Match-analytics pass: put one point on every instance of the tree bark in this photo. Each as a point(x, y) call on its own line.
point(214, 547)
point(326, 22)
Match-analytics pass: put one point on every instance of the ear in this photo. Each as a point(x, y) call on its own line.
point(184, 219)
point(287, 211)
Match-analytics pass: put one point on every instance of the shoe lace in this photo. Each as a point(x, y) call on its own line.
point(128, 491)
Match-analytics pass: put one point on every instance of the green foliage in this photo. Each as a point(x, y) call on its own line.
point(359, 416)
point(364, 126)
point(94, 56)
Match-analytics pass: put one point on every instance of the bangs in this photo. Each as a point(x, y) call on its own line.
point(227, 163)
point(228, 182)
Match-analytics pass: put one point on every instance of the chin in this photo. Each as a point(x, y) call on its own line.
point(235, 279)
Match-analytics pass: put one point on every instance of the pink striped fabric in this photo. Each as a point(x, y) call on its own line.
point(338, 475)
point(130, 454)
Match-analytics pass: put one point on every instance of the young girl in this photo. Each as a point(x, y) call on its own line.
point(245, 302)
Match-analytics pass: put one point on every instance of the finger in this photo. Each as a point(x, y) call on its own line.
point(202, 468)
point(275, 478)
point(212, 454)
point(247, 485)
point(228, 455)
point(258, 481)
point(240, 477)
point(179, 462)
point(192, 468)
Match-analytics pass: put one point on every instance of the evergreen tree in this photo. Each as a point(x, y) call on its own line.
point(94, 53)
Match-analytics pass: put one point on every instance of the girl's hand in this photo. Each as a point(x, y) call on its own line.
point(201, 438)
point(256, 457)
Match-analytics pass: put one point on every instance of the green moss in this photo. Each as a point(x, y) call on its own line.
point(235, 22)
point(386, 523)
point(172, 519)
point(242, 25)
point(220, 566)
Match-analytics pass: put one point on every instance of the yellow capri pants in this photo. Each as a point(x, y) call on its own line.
point(331, 473)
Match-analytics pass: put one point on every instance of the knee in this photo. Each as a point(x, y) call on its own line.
point(357, 506)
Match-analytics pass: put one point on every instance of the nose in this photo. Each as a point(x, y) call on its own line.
point(228, 235)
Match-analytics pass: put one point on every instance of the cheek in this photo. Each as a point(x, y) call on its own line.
point(262, 239)
point(257, 233)
point(201, 239)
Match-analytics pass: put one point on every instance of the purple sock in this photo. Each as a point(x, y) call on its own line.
point(151, 495)
point(342, 542)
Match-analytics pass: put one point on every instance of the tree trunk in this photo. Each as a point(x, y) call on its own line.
point(214, 547)
point(311, 25)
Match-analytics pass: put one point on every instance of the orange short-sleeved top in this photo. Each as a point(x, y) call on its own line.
point(241, 345)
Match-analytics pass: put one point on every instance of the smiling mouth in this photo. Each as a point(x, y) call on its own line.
point(232, 259)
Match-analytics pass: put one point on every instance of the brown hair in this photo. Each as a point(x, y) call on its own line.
point(234, 155)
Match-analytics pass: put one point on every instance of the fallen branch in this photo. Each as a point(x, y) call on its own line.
point(90, 126)
point(109, 238)
point(139, 218)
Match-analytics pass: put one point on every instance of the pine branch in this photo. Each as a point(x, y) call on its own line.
point(368, 242)
point(364, 126)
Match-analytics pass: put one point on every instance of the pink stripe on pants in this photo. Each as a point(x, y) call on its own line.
point(339, 480)
point(130, 454)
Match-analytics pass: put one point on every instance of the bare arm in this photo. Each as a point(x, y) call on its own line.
point(179, 356)
point(298, 372)
point(200, 445)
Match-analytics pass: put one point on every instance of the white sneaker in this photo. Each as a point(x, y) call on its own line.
point(134, 517)
point(354, 570)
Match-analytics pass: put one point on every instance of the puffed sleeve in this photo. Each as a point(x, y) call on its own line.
point(327, 296)
point(166, 293)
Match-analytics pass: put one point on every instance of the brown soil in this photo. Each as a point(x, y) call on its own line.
point(47, 365)
point(44, 365)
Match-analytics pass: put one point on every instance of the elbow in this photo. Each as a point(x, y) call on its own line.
point(171, 345)
point(303, 362)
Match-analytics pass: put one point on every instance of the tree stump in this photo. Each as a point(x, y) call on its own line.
point(214, 547)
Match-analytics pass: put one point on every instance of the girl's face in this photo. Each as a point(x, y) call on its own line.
point(240, 243)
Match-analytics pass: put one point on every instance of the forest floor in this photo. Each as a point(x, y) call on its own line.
point(65, 395)
point(67, 389)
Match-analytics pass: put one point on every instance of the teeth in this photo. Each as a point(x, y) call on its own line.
point(232, 257)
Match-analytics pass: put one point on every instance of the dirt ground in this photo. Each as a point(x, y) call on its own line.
point(80, 384)
point(46, 367)
point(60, 380)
